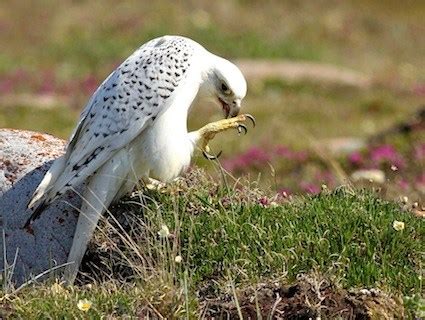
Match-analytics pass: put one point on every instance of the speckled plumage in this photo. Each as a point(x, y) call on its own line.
point(134, 126)
point(131, 97)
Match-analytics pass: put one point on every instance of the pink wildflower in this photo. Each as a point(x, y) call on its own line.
point(387, 154)
point(283, 152)
point(355, 158)
point(419, 152)
point(89, 84)
point(309, 187)
point(6, 85)
point(420, 181)
point(419, 89)
point(403, 184)
point(48, 84)
point(325, 177)
point(264, 201)
point(256, 154)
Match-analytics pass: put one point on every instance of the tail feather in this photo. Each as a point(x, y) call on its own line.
point(36, 213)
point(41, 197)
point(48, 181)
point(38, 194)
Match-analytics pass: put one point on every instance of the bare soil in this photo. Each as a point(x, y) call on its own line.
point(307, 298)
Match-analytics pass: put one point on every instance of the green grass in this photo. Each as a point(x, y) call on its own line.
point(224, 233)
point(57, 121)
point(347, 232)
point(367, 35)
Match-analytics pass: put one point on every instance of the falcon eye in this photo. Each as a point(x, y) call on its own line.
point(225, 88)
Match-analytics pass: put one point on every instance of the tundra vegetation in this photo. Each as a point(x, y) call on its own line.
point(287, 221)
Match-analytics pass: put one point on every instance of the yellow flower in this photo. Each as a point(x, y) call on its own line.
point(398, 225)
point(84, 305)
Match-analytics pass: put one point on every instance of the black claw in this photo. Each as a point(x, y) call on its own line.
point(211, 157)
point(251, 118)
point(242, 127)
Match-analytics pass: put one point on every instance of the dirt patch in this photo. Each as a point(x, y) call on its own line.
point(297, 71)
point(307, 298)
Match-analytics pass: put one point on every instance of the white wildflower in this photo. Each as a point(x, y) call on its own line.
point(164, 232)
point(84, 305)
point(398, 225)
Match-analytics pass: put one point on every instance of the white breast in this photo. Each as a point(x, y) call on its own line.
point(164, 149)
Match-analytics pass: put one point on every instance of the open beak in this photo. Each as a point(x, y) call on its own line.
point(230, 111)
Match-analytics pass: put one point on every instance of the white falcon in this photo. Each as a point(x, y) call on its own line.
point(135, 126)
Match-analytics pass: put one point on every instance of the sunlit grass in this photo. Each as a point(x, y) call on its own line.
point(56, 121)
point(224, 233)
point(365, 35)
point(346, 233)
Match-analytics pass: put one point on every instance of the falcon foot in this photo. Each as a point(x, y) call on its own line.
point(208, 132)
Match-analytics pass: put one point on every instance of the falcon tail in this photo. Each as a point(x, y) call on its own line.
point(40, 198)
point(36, 214)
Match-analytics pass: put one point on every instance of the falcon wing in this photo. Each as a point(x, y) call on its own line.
point(128, 101)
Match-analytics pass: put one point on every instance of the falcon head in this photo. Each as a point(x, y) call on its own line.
point(226, 85)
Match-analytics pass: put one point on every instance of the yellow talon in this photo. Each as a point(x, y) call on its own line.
point(208, 132)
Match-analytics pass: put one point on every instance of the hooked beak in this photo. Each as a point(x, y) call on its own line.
point(232, 110)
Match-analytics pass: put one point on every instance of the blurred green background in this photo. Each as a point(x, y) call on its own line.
point(55, 53)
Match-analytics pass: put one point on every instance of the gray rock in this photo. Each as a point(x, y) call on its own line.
point(24, 158)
